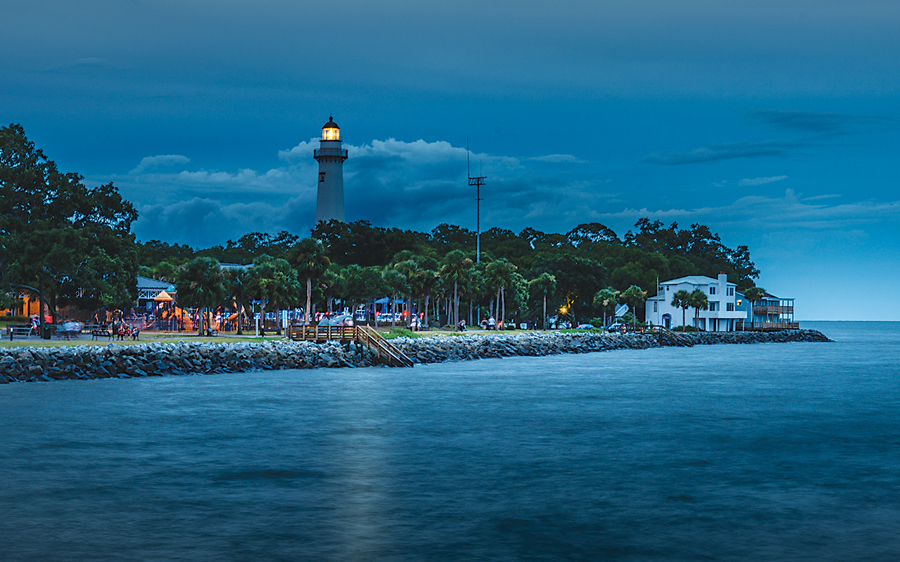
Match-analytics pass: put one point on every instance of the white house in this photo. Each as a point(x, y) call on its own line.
point(721, 316)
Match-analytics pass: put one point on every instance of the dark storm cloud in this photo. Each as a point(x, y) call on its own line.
point(823, 129)
point(412, 185)
point(726, 151)
point(206, 222)
point(823, 123)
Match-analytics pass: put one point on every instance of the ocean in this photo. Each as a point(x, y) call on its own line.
point(730, 452)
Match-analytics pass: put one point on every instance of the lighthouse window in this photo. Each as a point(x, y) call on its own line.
point(321, 176)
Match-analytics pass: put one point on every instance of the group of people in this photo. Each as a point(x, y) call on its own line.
point(490, 324)
point(122, 331)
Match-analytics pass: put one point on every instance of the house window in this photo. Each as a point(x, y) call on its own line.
point(730, 291)
point(713, 306)
point(654, 307)
point(321, 176)
point(729, 307)
point(712, 290)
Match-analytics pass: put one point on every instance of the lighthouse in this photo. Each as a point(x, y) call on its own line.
point(330, 155)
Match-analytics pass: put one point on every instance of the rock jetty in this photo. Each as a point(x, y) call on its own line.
point(156, 359)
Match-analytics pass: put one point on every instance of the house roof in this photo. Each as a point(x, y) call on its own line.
point(694, 280)
point(766, 295)
point(147, 283)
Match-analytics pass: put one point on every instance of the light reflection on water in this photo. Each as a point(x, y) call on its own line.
point(762, 452)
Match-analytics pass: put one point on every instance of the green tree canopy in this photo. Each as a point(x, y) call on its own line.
point(201, 284)
point(682, 299)
point(309, 258)
point(634, 296)
point(236, 286)
point(753, 294)
point(577, 280)
point(454, 271)
point(544, 285)
point(605, 301)
point(275, 283)
point(58, 238)
point(699, 301)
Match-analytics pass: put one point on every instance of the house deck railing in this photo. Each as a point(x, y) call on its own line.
point(771, 326)
point(772, 310)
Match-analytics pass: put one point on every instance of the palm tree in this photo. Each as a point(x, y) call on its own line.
point(698, 301)
point(634, 296)
point(425, 283)
point(259, 277)
point(753, 294)
point(201, 284)
point(454, 270)
point(408, 269)
point(309, 259)
point(499, 274)
point(236, 284)
point(682, 300)
point(606, 300)
point(397, 283)
point(334, 284)
point(543, 285)
point(285, 289)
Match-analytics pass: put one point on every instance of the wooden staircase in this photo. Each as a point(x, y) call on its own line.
point(670, 338)
point(385, 349)
point(387, 352)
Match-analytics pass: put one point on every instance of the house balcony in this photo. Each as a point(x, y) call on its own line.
point(770, 310)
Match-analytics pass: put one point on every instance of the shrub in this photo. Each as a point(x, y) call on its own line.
point(401, 333)
point(15, 319)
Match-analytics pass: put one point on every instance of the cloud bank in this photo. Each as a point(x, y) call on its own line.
point(417, 185)
point(760, 181)
point(161, 160)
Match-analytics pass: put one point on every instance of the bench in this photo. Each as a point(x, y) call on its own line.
point(96, 334)
point(20, 331)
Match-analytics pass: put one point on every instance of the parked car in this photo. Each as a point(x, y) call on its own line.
point(617, 327)
point(585, 327)
point(337, 320)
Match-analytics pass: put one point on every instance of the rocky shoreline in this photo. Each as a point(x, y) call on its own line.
point(29, 364)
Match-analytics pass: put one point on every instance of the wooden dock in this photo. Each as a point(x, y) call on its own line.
point(365, 335)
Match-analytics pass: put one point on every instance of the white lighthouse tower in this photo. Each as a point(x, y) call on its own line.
point(330, 155)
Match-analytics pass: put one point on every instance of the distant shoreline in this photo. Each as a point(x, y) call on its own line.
point(35, 364)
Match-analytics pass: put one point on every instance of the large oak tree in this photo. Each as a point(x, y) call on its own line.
point(59, 240)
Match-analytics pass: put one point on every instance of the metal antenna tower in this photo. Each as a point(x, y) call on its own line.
point(477, 182)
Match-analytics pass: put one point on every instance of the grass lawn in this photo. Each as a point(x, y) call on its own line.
point(169, 337)
point(146, 337)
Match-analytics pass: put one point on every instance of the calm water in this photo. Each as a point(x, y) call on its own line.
point(757, 452)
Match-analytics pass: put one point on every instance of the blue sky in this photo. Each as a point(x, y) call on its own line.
point(775, 123)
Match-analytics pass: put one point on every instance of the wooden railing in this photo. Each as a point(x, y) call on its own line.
point(771, 326)
point(321, 334)
point(772, 309)
point(385, 349)
point(370, 337)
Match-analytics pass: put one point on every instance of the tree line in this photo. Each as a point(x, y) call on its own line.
point(71, 245)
